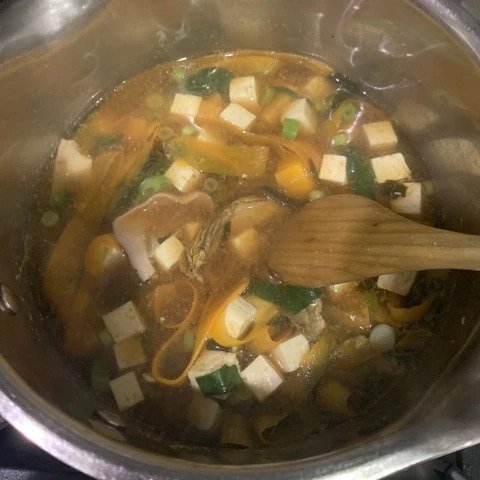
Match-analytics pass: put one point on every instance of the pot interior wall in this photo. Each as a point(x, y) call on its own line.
point(398, 56)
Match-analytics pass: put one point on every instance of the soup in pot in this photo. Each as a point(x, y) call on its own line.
point(161, 208)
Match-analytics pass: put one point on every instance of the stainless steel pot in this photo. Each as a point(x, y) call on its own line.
point(418, 59)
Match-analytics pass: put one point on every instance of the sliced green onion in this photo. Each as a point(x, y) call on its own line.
point(316, 194)
point(339, 140)
point(348, 112)
point(49, 218)
point(150, 186)
point(165, 133)
point(62, 200)
point(179, 74)
point(188, 339)
point(105, 338)
point(219, 382)
point(99, 376)
point(210, 185)
point(289, 297)
point(188, 130)
point(268, 95)
point(334, 100)
point(290, 128)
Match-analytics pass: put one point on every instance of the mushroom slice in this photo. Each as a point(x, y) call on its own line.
point(138, 229)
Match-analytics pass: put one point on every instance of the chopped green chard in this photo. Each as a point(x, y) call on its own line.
point(209, 80)
point(220, 382)
point(290, 128)
point(107, 142)
point(179, 74)
point(62, 200)
point(360, 173)
point(334, 100)
point(99, 376)
point(268, 95)
point(289, 297)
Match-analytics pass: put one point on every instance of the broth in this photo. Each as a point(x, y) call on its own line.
point(157, 225)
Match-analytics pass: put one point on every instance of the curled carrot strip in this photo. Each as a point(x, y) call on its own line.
point(213, 310)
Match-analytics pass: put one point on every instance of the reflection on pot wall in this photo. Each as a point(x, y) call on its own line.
point(391, 52)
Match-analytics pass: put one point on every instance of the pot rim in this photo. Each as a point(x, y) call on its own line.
point(78, 446)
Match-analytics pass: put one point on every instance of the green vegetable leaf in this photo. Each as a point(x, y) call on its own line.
point(290, 128)
point(360, 173)
point(62, 200)
point(99, 376)
point(209, 80)
point(334, 100)
point(150, 186)
point(179, 73)
point(219, 382)
point(289, 297)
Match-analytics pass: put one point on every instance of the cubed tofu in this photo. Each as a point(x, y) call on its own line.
point(239, 315)
point(129, 353)
point(289, 354)
point(380, 135)
point(190, 230)
point(210, 361)
point(71, 169)
point(203, 413)
point(184, 177)
point(261, 378)
point(411, 203)
point(390, 167)
point(301, 111)
point(399, 282)
point(126, 390)
point(238, 116)
point(124, 322)
point(186, 105)
point(244, 92)
point(334, 169)
point(247, 244)
point(168, 253)
point(318, 88)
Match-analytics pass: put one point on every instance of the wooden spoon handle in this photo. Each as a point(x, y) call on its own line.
point(327, 243)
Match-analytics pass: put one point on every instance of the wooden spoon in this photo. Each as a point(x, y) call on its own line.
point(341, 238)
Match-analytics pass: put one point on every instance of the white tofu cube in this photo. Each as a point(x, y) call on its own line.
point(126, 390)
point(186, 105)
point(289, 354)
point(334, 169)
point(123, 322)
point(71, 169)
point(380, 135)
point(247, 244)
point(390, 167)
point(168, 253)
point(238, 116)
point(184, 177)
point(301, 111)
point(399, 282)
point(203, 413)
point(411, 203)
point(210, 361)
point(129, 353)
point(239, 314)
point(244, 91)
point(261, 378)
